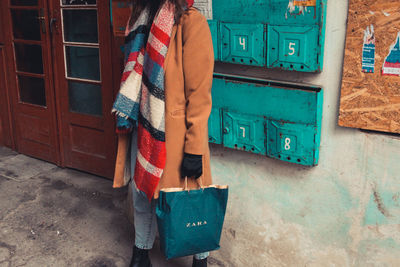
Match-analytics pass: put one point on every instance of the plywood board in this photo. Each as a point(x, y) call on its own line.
point(371, 100)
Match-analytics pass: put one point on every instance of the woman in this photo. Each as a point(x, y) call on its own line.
point(162, 109)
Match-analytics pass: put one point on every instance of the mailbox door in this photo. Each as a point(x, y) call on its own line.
point(213, 24)
point(214, 127)
point(293, 48)
point(242, 43)
point(244, 132)
point(292, 142)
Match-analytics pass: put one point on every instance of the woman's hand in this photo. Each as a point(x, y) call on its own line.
point(192, 166)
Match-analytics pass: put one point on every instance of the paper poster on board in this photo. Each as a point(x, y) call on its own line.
point(391, 65)
point(368, 53)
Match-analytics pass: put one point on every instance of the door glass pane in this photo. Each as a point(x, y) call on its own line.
point(31, 90)
point(85, 98)
point(80, 25)
point(78, 2)
point(26, 24)
point(24, 2)
point(82, 62)
point(29, 58)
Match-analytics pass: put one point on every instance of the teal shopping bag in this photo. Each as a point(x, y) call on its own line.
point(190, 222)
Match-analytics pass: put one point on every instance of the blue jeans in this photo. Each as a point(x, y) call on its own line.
point(145, 222)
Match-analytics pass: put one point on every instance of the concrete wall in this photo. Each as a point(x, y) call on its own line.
point(343, 212)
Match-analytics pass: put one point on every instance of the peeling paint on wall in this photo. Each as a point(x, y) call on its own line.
point(295, 9)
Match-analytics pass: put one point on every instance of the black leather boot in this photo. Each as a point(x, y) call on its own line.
point(140, 258)
point(199, 263)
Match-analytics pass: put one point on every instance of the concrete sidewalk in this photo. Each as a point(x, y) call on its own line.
point(51, 216)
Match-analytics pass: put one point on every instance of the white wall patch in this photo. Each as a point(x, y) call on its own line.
point(205, 7)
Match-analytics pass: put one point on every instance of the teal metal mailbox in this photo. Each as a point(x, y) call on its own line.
point(279, 120)
point(292, 47)
point(270, 33)
point(292, 142)
point(242, 43)
point(214, 126)
point(244, 132)
point(214, 34)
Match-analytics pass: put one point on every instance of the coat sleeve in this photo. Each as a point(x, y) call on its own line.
point(198, 67)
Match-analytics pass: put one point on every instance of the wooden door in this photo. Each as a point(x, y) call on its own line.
point(28, 60)
point(84, 87)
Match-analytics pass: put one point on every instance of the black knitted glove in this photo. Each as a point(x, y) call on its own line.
point(192, 166)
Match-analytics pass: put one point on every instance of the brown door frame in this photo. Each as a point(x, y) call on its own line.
point(5, 107)
point(8, 132)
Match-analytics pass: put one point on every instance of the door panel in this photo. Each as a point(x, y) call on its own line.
point(29, 58)
point(34, 129)
point(24, 2)
point(84, 88)
point(31, 82)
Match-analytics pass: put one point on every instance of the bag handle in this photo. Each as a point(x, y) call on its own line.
point(199, 183)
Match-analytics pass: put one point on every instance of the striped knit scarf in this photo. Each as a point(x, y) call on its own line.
point(142, 98)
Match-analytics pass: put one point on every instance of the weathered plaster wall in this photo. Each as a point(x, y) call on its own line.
point(344, 212)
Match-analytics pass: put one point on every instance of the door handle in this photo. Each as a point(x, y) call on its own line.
point(52, 23)
point(42, 19)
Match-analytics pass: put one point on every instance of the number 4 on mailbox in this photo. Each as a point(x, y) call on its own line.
point(242, 42)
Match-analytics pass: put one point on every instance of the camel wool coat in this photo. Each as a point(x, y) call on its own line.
point(189, 66)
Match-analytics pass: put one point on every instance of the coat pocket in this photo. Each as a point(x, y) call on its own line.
point(178, 113)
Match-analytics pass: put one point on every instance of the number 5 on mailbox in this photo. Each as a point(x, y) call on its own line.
point(292, 48)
